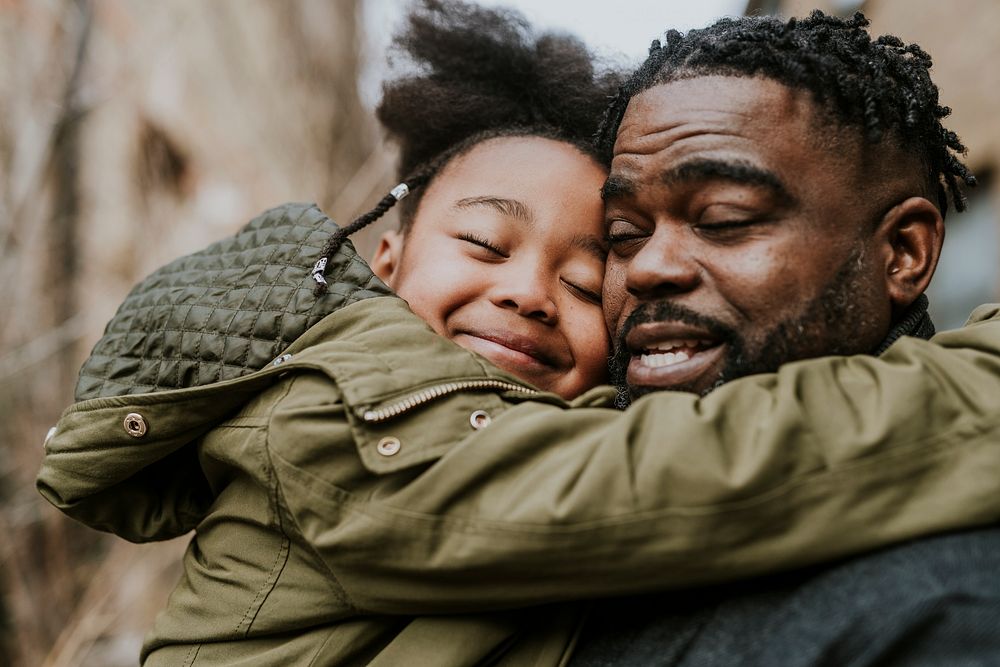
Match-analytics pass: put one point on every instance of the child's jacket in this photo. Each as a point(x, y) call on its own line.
point(375, 494)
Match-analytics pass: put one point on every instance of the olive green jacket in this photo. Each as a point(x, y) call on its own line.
point(378, 495)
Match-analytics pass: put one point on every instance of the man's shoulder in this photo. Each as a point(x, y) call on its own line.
point(932, 601)
point(935, 557)
point(886, 586)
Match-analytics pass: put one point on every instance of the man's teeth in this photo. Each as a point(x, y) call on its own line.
point(673, 352)
point(664, 359)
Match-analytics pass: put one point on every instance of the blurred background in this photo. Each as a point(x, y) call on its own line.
point(132, 132)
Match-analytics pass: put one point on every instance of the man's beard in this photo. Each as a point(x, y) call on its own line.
point(827, 325)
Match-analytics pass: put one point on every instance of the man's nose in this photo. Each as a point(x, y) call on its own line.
point(664, 266)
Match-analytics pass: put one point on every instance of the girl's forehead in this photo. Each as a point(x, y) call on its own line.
point(548, 187)
point(535, 169)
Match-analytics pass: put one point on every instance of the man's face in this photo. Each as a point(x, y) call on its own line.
point(739, 239)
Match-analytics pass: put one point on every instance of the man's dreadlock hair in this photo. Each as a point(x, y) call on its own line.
point(479, 74)
point(881, 86)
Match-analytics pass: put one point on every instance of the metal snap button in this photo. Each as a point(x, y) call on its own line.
point(480, 419)
point(388, 446)
point(48, 436)
point(280, 360)
point(135, 425)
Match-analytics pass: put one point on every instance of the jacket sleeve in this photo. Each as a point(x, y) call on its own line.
point(823, 459)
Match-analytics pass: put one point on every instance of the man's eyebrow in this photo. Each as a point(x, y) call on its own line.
point(720, 170)
point(511, 208)
point(617, 186)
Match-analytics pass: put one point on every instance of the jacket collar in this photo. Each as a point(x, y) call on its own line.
point(916, 322)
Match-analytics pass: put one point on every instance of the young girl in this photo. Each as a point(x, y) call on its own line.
point(376, 494)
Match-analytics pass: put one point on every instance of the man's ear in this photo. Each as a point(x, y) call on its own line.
point(387, 256)
point(914, 232)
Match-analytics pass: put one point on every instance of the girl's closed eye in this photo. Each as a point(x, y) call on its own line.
point(584, 293)
point(483, 242)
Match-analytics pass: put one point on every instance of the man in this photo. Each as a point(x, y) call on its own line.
point(777, 193)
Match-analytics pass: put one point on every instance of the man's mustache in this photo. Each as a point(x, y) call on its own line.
point(668, 311)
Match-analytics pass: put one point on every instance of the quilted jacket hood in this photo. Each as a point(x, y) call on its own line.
point(225, 311)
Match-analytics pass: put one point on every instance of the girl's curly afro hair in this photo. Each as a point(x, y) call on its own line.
point(473, 74)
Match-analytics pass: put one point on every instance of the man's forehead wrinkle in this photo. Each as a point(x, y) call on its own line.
point(688, 133)
point(670, 105)
point(691, 123)
point(680, 142)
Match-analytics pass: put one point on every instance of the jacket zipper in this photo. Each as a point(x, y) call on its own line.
point(425, 395)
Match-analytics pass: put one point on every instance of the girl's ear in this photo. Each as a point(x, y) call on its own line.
point(387, 256)
point(914, 233)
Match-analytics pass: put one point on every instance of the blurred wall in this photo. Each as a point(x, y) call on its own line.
point(132, 132)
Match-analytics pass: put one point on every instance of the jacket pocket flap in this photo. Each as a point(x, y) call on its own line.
point(423, 433)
